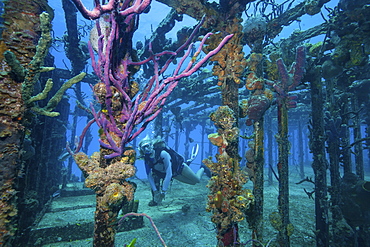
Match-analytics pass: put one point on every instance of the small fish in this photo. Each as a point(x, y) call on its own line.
point(56, 194)
point(191, 140)
point(64, 156)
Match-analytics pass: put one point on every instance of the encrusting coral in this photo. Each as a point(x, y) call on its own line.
point(227, 200)
point(109, 182)
point(230, 60)
point(260, 98)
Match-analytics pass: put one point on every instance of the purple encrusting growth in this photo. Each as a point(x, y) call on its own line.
point(289, 80)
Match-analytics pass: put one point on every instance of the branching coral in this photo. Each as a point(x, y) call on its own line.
point(125, 111)
point(124, 115)
point(29, 75)
point(289, 80)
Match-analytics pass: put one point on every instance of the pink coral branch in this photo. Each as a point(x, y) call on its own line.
point(137, 110)
point(136, 8)
point(97, 11)
point(182, 60)
point(144, 125)
point(151, 222)
point(201, 62)
point(285, 78)
point(186, 44)
point(82, 136)
point(157, 99)
point(289, 80)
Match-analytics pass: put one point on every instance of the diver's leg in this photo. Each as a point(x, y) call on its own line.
point(188, 176)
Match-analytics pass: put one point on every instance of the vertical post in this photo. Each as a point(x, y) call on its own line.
point(158, 125)
point(332, 123)
point(258, 185)
point(230, 99)
point(283, 171)
point(203, 126)
point(270, 148)
point(177, 138)
point(187, 135)
point(359, 159)
point(13, 109)
point(367, 133)
point(75, 55)
point(293, 147)
point(345, 134)
point(300, 150)
point(319, 164)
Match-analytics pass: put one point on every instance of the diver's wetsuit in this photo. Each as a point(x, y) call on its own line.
point(156, 166)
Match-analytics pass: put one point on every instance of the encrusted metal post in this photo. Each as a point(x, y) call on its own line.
point(319, 164)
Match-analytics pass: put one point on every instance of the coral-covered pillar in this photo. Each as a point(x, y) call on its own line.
point(108, 179)
point(289, 79)
point(332, 123)
point(255, 108)
point(319, 164)
point(19, 35)
point(229, 68)
point(283, 171)
point(227, 199)
point(359, 156)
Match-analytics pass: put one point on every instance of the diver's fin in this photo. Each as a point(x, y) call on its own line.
point(194, 153)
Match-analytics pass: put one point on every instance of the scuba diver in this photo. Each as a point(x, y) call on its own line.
point(162, 164)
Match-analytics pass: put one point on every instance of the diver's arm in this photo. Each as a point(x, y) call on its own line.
point(150, 177)
point(151, 182)
point(168, 166)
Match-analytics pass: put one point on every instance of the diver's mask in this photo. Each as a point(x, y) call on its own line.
point(147, 148)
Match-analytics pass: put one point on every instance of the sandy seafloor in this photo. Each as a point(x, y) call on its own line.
point(195, 227)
